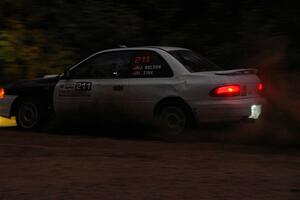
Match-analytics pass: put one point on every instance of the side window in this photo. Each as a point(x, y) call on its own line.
point(148, 64)
point(103, 66)
point(82, 71)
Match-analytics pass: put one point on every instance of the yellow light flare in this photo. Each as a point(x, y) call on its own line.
point(4, 122)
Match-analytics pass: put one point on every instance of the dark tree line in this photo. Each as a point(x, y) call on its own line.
point(42, 37)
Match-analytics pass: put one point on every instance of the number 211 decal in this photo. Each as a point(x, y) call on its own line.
point(83, 86)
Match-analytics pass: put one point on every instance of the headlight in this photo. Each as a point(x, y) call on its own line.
point(2, 93)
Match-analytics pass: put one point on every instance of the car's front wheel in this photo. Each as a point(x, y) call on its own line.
point(31, 114)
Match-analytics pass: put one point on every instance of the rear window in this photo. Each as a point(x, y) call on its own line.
point(194, 62)
point(148, 64)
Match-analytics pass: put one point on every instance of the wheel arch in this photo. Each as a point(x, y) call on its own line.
point(175, 100)
point(18, 100)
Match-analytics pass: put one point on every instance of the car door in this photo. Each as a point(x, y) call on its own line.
point(96, 87)
point(150, 80)
point(74, 92)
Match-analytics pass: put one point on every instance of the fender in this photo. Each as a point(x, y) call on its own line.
point(42, 88)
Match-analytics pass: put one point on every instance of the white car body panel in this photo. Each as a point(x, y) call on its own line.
point(102, 99)
point(145, 93)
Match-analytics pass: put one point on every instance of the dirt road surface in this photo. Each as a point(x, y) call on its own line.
point(80, 166)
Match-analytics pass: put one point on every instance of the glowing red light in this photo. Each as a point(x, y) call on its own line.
point(228, 90)
point(260, 87)
point(2, 93)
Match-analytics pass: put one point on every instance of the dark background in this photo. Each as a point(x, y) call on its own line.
point(45, 37)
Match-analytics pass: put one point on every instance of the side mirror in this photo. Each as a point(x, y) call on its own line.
point(67, 74)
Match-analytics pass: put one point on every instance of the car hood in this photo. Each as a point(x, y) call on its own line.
point(18, 86)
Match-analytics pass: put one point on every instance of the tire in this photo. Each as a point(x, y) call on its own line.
point(31, 114)
point(172, 119)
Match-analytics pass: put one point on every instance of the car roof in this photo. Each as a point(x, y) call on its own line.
point(164, 48)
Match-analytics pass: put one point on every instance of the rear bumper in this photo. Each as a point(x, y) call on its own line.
point(6, 105)
point(228, 110)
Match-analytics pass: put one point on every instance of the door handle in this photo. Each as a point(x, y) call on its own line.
point(118, 87)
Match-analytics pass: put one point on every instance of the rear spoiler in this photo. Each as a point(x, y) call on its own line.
point(238, 72)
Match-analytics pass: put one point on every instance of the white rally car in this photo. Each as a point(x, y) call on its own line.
point(172, 86)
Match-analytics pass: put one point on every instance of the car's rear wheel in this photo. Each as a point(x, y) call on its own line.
point(31, 114)
point(172, 120)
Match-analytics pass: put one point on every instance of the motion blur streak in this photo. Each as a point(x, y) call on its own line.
point(4, 122)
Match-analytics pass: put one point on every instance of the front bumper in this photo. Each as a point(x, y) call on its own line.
point(227, 110)
point(6, 105)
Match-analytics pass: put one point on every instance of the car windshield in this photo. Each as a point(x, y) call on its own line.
point(194, 62)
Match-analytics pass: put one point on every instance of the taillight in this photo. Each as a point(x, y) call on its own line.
point(226, 91)
point(260, 88)
point(2, 93)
